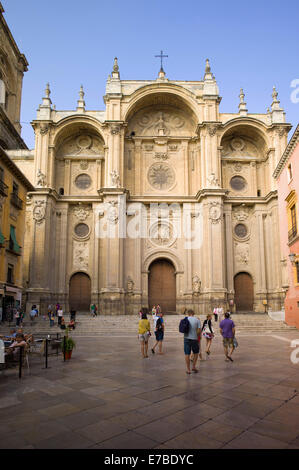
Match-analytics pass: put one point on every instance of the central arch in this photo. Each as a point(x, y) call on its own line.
point(162, 285)
point(80, 292)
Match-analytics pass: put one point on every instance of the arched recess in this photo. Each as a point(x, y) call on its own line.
point(80, 292)
point(79, 150)
point(244, 292)
point(160, 138)
point(244, 153)
point(162, 285)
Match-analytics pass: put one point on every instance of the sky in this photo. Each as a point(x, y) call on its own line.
point(251, 45)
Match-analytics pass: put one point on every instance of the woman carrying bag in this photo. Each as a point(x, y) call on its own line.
point(208, 333)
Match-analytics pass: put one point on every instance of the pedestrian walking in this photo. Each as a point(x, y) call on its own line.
point(32, 314)
point(215, 313)
point(154, 311)
point(72, 314)
point(191, 341)
point(18, 317)
point(144, 333)
point(52, 318)
point(208, 333)
point(59, 315)
point(93, 311)
point(159, 333)
point(228, 330)
point(220, 313)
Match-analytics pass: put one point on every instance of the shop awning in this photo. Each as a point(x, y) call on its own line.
point(13, 241)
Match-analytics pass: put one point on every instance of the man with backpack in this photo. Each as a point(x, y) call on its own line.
point(191, 328)
point(159, 332)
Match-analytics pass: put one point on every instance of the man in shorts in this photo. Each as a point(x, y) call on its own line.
point(191, 341)
point(227, 330)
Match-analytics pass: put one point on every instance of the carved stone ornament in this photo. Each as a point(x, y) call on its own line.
point(44, 129)
point(280, 131)
point(173, 147)
point(212, 129)
point(237, 167)
point(115, 180)
point(213, 181)
point(115, 129)
point(161, 176)
point(242, 253)
point(112, 212)
point(148, 147)
point(130, 285)
point(81, 212)
point(241, 215)
point(84, 164)
point(80, 255)
point(162, 233)
point(39, 211)
point(41, 179)
point(196, 284)
point(215, 212)
point(161, 156)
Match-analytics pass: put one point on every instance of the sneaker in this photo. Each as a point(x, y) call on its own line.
point(153, 351)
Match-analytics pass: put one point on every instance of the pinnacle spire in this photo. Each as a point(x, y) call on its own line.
point(208, 74)
point(242, 105)
point(81, 102)
point(115, 70)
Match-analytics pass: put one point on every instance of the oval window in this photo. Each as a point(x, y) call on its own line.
point(238, 183)
point(81, 230)
point(83, 181)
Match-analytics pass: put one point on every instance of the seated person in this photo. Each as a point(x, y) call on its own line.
point(62, 324)
point(72, 324)
point(13, 349)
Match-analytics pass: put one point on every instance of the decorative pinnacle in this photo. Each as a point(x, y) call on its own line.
point(47, 91)
point(208, 67)
point(115, 66)
point(81, 93)
point(274, 95)
point(242, 105)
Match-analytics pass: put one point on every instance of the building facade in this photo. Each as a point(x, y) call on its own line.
point(287, 175)
point(158, 198)
point(13, 190)
point(13, 64)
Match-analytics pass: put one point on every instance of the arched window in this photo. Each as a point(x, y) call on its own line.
point(2, 93)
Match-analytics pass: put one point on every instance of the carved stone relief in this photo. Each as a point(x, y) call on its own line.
point(196, 284)
point(215, 212)
point(242, 253)
point(80, 255)
point(238, 146)
point(161, 176)
point(84, 144)
point(39, 211)
point(162, 233)
point(81, 212)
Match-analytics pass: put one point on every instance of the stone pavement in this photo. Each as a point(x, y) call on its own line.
point(108, 397)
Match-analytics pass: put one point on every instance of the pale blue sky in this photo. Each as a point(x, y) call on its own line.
point(253, 45)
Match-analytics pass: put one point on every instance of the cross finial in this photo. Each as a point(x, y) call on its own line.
point(161, 55)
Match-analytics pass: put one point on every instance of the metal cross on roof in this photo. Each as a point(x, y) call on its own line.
point(161, 57)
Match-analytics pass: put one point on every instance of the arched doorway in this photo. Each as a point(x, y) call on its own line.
point(162, 285)
point(79, 294)
point(243, 285)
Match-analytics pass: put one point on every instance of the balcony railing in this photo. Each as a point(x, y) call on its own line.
point(292, 233)
point(16, 201)
point(3, 188)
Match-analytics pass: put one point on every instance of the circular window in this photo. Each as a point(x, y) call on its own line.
point(83, 181)
point(81, 230)
point(238, 183)
point(241, 230)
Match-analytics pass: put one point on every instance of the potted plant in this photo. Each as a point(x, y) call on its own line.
point(67, 345)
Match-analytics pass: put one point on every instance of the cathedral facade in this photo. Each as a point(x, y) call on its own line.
point(158, 198)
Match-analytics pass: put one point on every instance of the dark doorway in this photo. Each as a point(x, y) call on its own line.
point(80, 289)
point(243, 285)
point(162, 285)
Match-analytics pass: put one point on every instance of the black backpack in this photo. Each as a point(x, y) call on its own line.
point(184, 325)
point(159, 324)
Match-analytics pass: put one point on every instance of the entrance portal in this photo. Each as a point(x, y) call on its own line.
point(162, 285)
point(79, 295)
point(243, 292)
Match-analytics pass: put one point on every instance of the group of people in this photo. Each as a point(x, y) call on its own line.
point(144, 330)
point(192, 337)
point(58, 312)
point(15, 340)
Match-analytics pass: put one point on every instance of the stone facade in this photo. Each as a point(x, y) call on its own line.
point(97, 174)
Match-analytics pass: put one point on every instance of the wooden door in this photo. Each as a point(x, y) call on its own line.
point(243, 292)
point(162, 285)
point(79, 295)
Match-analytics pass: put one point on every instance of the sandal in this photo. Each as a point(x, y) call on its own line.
point(195, 371)
point(153, 351)
point(230, 359)
point(188, 372)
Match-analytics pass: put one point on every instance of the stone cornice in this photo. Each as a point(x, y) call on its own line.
point(11, 129)
point(21, 57)
point(287, 153)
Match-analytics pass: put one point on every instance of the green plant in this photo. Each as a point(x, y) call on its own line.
point(68, 343)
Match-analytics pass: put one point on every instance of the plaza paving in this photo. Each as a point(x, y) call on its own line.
point(108, 397)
